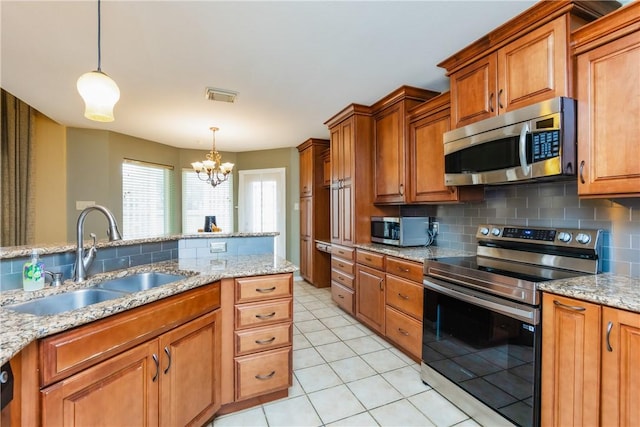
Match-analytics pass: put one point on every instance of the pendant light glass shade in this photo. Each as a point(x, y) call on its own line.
point(100, 94)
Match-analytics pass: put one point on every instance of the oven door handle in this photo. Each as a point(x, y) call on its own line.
point(529, 315)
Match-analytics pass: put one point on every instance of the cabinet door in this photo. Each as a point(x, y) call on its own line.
point(120, 391)
point(190, 372)
point(306, 215)
point(534, 67)
point(370, 286)
point(620, 367)
point(473, 92)
point(306, 172)
point(306, 259)
point(389, 155)
point(608, 125)
point(570, 392)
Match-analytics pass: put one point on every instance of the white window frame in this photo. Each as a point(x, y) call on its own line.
point(216, 201)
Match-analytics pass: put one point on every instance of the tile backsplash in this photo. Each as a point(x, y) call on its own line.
point(549, 205)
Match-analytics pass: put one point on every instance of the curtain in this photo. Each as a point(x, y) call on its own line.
point(18, 120)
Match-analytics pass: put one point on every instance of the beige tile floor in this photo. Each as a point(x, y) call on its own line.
point(345, 375)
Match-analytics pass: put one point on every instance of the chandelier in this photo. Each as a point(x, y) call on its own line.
point(217, 172)
point(99, 92)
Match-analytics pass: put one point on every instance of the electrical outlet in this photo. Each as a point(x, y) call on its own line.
point(215, 247)
point(435, 227)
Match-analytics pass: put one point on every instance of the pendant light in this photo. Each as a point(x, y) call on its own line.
point(99, 92)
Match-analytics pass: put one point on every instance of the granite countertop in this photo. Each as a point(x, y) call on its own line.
point(414, 253)
point(606, 289)
point(20, 329)
point(54, 248)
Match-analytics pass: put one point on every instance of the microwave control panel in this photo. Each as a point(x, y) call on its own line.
point(545, 144)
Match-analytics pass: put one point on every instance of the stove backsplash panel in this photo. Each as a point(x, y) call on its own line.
point(549, 205)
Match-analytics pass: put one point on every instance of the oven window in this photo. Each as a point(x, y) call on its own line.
point(491, 356)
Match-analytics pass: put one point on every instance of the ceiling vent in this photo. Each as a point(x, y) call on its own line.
point(223, 95)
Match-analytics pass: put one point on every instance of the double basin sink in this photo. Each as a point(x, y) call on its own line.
point(105, 291)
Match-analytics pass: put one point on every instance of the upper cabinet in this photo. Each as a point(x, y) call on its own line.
point(427, 124)
point(392, 158)
point(524, 61)
point(608, 91)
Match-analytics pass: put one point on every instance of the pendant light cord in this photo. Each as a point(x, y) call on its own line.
point(99, 50)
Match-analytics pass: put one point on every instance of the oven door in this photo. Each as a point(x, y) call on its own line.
point(488, 346)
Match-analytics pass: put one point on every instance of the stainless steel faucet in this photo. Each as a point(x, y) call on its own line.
point(84, 261)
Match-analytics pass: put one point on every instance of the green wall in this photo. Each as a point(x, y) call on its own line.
point(94, 173)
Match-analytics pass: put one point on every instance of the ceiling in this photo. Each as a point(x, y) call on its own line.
point(295, 64)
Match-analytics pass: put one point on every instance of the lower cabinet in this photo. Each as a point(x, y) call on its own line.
point(370, 284)
point(169, 380)
point(590, 359)
point(342, 277)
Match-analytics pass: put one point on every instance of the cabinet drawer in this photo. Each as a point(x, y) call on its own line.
point(404, 331)
point(262, 373)
point(259, 339)
point(343, 252)
point(405, 296)
point(343, 297)
point(371, 259)
point(263, 287)
point(342, 278)
point(407, 269)
point(342, 265)
point(263, 313)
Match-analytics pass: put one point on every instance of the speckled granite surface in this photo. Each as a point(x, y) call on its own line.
point(54, 248)
point(418, 253)
point(606, 289)
point(19, 329)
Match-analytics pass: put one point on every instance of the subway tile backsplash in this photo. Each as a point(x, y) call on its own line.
point(549, 205)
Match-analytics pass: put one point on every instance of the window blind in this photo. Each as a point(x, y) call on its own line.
point(199, 199)
point(147, 190)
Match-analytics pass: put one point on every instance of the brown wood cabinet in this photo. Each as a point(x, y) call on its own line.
point(352, 179)
point(370, 286)
point(589, 364)
point(314, 212)
point(608, 91)
point(392, 154)
point(257, 365)
point(524, 61)
point(171, 379)
point(342, 277)
point(427, 124)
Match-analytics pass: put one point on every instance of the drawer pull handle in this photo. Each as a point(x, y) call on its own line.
point(340, 296)
point(341, 265)
point(367, 258)
point(265, 377)
point(168, 353)
point(491, 102)
point(265, 290)
point(340, 278)
point(403, 296)
point(269, 341)
point(157, 363)
point(609, 328)
point(266, 316)
point(570, 307)
point(404, 270)
point(403, 332)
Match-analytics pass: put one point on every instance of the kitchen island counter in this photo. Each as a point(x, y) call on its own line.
point(20, 329)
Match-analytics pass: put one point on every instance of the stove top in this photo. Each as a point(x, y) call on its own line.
point(511, 261)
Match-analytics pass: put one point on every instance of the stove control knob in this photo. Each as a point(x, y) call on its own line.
point(484, 231)
point(564, 237)
point(583, 238)
point(495, 231)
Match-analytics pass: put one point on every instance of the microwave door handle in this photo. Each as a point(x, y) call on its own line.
point(523, 149)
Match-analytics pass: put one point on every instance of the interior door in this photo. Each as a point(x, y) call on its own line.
point(261, 204)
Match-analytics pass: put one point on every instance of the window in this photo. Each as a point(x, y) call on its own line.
point(147, 190)
point(199, 199)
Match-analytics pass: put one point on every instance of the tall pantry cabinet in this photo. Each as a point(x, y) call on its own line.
point(314, 212)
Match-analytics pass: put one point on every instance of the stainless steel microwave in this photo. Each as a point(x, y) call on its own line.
point(534, 142)
point(402, 231)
